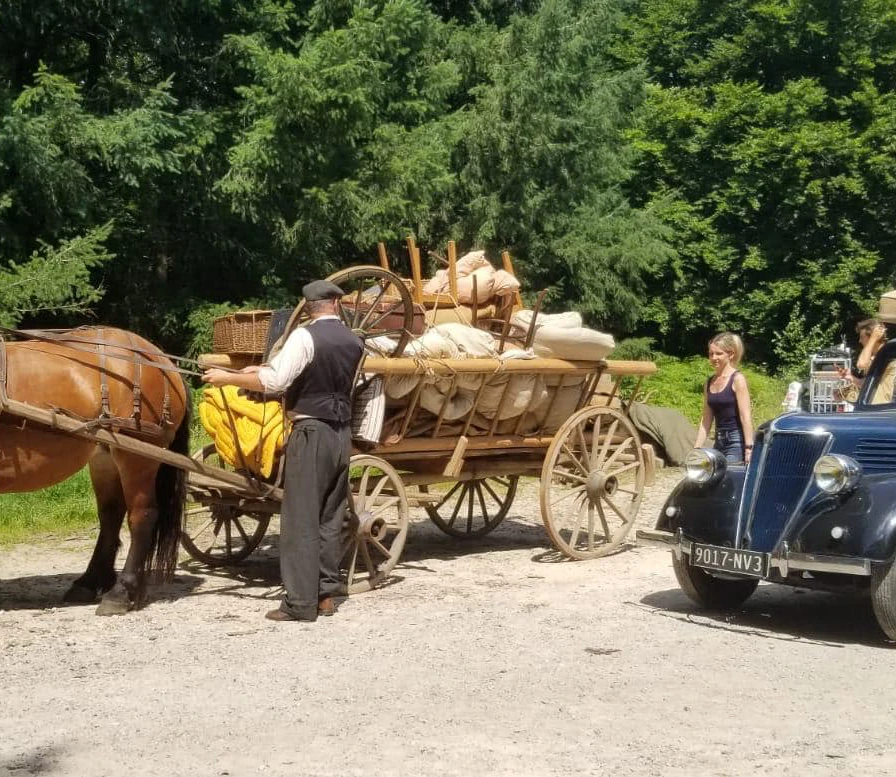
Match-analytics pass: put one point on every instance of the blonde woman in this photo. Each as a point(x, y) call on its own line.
point(726, 401)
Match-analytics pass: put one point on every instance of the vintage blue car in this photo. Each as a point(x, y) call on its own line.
point(816, 507)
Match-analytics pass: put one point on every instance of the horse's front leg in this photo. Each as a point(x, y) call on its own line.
point(111, 507)
point(138, 478)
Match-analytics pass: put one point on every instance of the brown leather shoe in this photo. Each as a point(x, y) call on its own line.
point(326, 606)
point(280, 615)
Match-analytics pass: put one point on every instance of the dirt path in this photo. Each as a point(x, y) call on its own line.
point(482, 659)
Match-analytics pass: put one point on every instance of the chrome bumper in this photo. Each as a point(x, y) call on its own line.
point(782, 559)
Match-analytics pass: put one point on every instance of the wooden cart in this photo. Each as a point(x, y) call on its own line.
point(464, 473)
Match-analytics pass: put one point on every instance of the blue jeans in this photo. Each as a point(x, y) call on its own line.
point(730, 443)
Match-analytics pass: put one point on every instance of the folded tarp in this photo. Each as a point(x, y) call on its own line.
point(667, 427)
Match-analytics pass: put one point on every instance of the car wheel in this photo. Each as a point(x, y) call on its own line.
point(883, 597)
point(710, 592)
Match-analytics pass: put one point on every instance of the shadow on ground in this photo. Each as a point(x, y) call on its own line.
point(38, 592)
point(427, 541)
point(255, 576)
point(37, 760)
point(779, 612)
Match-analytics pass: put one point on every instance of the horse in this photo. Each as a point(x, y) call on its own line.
point(110, 379)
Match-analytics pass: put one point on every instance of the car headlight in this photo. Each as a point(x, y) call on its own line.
point(835, 473)
point(704, 465)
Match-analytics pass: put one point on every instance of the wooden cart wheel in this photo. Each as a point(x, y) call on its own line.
point(592, 482)
point(376, 303)
point(377, 523)
point(473, 508)
point(220, 534)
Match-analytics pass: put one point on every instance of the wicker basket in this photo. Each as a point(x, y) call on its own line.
point(245, 331)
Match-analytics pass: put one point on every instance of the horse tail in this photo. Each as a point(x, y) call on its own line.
point(171, 497)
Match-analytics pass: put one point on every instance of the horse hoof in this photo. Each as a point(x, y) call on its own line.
point(113, 607)
point(79, 594)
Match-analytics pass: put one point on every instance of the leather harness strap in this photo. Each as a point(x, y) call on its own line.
point(138, 391)
point(105, 409)
point(4, 397)
point(78, 343)
point(106, 419)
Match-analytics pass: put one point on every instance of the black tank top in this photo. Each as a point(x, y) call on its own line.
point(723, 405)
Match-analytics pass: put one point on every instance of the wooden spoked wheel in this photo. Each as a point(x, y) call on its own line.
point(377, 303)
point(473, 508)
point(592, 482)
point(219, 534)
point(378, 519)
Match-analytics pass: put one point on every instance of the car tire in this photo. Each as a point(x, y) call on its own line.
point(710, 592)
point(883, 597)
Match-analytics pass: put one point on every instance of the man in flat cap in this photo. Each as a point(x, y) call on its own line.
point(316, 370)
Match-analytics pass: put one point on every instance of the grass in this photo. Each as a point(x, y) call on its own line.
point(69, 507)
point(679, 383)
point(65, 508)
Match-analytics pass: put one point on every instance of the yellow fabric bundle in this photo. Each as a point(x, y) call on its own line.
point(259, 428)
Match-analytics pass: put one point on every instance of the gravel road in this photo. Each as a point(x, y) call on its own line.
point(483, 658)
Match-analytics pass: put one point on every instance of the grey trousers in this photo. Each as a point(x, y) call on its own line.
point(315, 499)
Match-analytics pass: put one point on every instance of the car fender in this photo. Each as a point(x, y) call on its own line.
point(705, 512)
point(861, 523)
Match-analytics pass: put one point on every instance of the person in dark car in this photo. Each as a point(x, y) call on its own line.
point(872, 336)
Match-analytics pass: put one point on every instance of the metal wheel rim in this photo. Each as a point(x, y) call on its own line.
point(583, 519)
point(467, 501)
point(230, 535)
point(367, 563)
point(358, 319)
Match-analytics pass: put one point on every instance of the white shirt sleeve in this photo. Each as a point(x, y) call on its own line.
point(286, 366)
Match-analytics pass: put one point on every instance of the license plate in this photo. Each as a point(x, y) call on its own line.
point(741, 562)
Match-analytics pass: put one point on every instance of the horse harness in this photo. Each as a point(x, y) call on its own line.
point(135, 424)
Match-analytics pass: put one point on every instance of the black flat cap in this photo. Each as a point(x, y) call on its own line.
point(318, 290)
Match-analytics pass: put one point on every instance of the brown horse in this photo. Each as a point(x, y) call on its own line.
point(108, 378)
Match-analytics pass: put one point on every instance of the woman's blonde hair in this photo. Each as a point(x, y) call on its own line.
point(731, 344)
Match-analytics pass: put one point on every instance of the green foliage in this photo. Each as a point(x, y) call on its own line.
point(765, 151)
point(634, 349)
point(670, 168)
point(53, 278)
point(545, 160)
point(796, 342)
point(678, 383)
point(347, 136)
point(200, 323)
point(73, 187)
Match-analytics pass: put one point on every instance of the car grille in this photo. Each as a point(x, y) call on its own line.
point(781, 484)
point(876, 455)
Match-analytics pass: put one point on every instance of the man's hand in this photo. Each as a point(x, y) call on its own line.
point(217, 377)
point(847, 377)
point(246, 378)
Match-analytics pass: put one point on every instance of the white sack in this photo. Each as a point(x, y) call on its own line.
point(580, 344)
point(460, 403)
point(523, 391)
point(569, 320)
point(469, 342)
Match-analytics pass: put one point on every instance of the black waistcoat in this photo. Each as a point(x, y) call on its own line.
point(324, 388)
